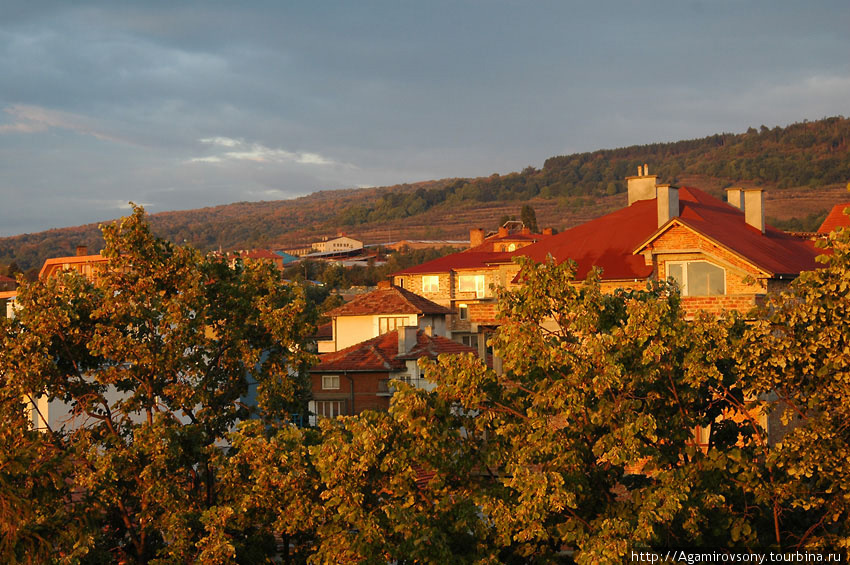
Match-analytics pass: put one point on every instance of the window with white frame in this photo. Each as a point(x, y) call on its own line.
point(431, 283)
point(463, 312)
point(471, 283)
point(390, 323)
point(329, 408)
point(698, 278)
point(330, 382)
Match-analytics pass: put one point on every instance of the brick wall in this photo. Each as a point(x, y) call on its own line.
point(365, 390)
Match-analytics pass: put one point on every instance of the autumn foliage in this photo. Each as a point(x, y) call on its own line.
point(582, 449)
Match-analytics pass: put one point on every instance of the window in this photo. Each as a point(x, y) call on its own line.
point(470, 340)
point(388, 324)
point(330, 408)
point(399, 282)
point(698, 278)
point(431, 283)
point(471, 283)
point(330, 382)
point(512, 247)
point(463, 311)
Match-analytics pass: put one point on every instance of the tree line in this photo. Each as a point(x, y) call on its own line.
point(582, 450)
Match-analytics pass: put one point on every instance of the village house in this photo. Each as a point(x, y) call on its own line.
point(358, 377)
point(381, 311)
point(722, 255)
point(463, 282)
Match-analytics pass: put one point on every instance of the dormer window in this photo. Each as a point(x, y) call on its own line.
point(697, 278)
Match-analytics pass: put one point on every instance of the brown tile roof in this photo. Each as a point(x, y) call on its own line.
point(393, 300)
point(835, 218)
point(380, 354)
point(325, 331)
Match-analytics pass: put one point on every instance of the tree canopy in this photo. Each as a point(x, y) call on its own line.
point(583, 448)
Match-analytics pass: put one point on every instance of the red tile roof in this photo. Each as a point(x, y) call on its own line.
point(611, 241)
point(457, 261)
point(835, 218)
point(393, 300)
point(380, 354)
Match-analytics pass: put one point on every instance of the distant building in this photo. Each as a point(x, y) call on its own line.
point(338, 244)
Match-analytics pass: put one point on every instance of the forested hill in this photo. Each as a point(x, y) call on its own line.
point(804, 160)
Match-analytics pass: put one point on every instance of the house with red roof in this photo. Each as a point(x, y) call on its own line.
point(380, 311)
point(357, 378)
point(837, 218)
point(722, 254)
point(463, 282)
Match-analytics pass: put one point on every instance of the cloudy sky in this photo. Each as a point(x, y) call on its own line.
point(180, 105)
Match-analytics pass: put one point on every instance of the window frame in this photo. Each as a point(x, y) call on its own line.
point(479, 290)
point(430, 283)
point(684, 287)
point(326, 379)
point(463, 312)
point(384, 323)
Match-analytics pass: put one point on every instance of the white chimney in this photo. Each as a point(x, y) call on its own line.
point(406, 339)
point(667, 199)
point(641, 187)
point(735, 197)
point(754, 207)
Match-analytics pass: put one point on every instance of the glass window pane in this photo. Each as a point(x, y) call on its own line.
point(705, 279)
point(674, 271)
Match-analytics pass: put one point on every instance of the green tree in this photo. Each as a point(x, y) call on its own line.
point(797, 355)
point(154, 356)
point(529, 217)
point(590, 429)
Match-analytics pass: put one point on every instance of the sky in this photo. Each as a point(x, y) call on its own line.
point(181, 105)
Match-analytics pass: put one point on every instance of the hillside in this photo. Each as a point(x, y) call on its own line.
point(804, 166)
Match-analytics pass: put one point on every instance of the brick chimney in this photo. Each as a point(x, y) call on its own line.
point(667, 199)
point(642, 186)
point(476, 237)
point(548, 231)
point(503, 231)
point(406, 339)
point(82, 251)
point(735, 197)
point(525, 230)
point(384, 285)
point(754, 207)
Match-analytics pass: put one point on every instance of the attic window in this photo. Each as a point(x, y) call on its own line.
point(698, 278)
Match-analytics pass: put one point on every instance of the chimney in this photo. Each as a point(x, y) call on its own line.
point(667, 199)
point(547, 231)
point(641, 187)
point(476, 237)
point(82, 251)
point(503, 231)
point(406, 339)
point(525, 230)
point(384, 285)
point(735, 197)
point(754, 207)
